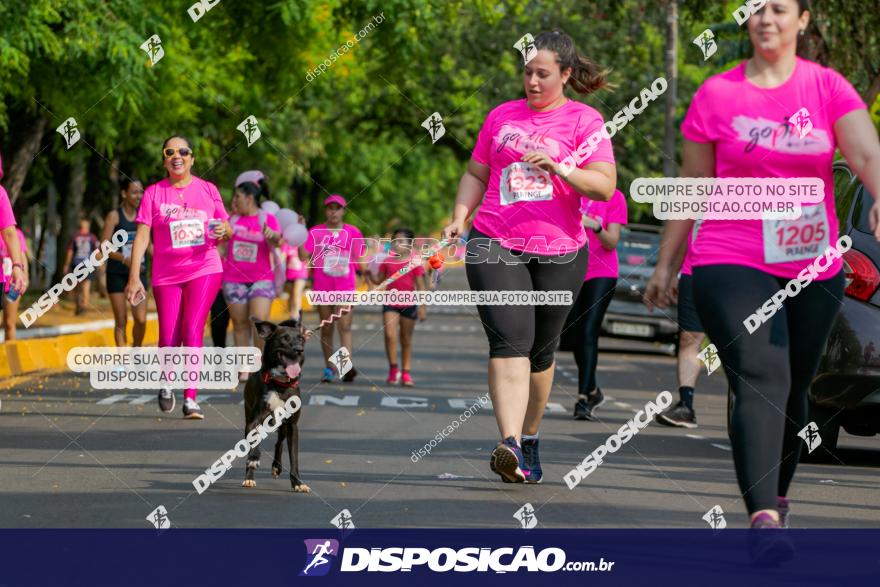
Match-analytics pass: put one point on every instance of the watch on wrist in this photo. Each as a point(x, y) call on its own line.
point(19, 265)
point(598, 229)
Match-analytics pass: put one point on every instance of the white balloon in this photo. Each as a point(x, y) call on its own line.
point(286, 218)
point(296, 234)
point(270, 207)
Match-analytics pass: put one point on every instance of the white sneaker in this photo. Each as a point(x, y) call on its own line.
point(166, 400)
point(191, 410)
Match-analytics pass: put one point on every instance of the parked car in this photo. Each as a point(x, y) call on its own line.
point(627, 316)
point(846, 390)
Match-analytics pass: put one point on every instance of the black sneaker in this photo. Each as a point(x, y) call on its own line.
point(166, 400)
point(678, 415)
point(349, 377)
point(531, 463)
point(506, 460)
point(584, 408)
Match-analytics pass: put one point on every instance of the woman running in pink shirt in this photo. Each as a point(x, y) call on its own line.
point(18, 277)
point(248, 279)
point(185, 217)
point(529, 212)
point(744, 123)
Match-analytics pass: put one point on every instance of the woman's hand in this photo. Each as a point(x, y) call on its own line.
point(874, 218)
point(18, 280)
point(271, 236)
point(543, 161)
point(657, 290)
point(134, 289)
point(422, 313)
point(453, 231)
point(672, 292)
point(590, 222)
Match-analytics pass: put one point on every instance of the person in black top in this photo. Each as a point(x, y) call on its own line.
point(118, 264)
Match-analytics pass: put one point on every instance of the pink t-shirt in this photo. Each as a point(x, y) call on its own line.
point(392, 265)
point(248, 257)
point(526, 208)
point(749, 127)
point(602, 262)
point(334, 256)
point(178, 219)
point(6, 217)
point(296, 269)
point(6, 260)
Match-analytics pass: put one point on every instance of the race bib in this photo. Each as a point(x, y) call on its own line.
point(524, 182)
point(187, 233)
point(336, 265)
point(244, 252)
point(796, 240)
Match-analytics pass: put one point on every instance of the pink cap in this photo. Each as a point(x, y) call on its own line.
point(253, 176)
point(335, 199)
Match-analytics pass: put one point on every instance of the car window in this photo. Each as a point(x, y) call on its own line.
point(864, 201)
point(638, 249)
point(844, 190)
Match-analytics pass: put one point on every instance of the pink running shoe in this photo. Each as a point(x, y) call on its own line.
point(405, 379)
point(393, 376)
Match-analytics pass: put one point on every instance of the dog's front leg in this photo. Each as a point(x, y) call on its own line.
point(293, 453)
point(253, 460)
point(279, 447)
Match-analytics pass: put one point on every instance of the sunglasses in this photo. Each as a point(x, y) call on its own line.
point(170, 152)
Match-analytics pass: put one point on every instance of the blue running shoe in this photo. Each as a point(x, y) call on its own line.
point(531, 463)
point(328, 375)
point(506, 459)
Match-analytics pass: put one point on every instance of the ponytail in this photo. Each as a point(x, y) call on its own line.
point(586, 75)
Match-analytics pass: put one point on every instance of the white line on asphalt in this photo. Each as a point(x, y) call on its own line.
point(622, 405)
point(722, 446)
point(696, 436)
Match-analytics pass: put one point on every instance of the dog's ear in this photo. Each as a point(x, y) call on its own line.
point(292, 323)
point(264, 328)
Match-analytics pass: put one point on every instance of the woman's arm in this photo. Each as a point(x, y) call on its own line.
point(141, 240)
point(609, 236)
point(857, 139)
point(10, 237)
point(110, 221)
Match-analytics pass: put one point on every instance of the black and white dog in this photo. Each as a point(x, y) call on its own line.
point(271, 387)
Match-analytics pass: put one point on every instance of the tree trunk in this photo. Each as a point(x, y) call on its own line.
point(72, 206)
point(670, 168)
point(24, 158)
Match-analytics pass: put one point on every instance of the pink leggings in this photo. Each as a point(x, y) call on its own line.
point(183, 309)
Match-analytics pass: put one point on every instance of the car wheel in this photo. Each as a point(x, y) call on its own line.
point(827, 418)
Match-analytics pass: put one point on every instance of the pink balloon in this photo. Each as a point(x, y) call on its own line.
point(296, 234)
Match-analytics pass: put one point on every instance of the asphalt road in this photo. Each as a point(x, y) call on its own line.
point(77, 457)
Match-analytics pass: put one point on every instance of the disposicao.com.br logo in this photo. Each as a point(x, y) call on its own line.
point(321, 553)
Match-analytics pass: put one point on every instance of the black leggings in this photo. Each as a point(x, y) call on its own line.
point(770, 371)
point(219, 320)
point(584, 321)
point(522, 331)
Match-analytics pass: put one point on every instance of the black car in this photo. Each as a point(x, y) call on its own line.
point(627, 316)
point(846, 390)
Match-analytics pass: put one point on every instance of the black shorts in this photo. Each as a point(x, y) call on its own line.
point(688, 320)
point(411, 312)
point(116, 282)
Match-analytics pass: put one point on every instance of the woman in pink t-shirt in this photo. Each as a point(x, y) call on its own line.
point(779, 116)
point(18, 278)
point(529, 212)
point(248, 278)
point(334, 251)
point(603, 221)
point(185, 218)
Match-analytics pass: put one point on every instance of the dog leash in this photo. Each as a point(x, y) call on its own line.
point(434, 257)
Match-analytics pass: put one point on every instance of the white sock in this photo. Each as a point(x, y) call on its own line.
point(530, 436)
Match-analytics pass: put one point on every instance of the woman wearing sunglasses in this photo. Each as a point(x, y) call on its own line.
point(185, 217)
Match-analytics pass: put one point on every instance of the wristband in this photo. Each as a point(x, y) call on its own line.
point(598, 229)
point(19, 265)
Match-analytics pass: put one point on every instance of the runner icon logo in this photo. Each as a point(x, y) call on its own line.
point(715, 518)
point(343, 520)
point(159, 518)
point(153, 48)
point(526, 46)
point(801, 121)
point(69, 130)
point(526, 516)
point(250, 130)
point(341, 359)
point(320, 553)
point(706, 43)
point(434, 125)
point(810, 434)
point(709, 356)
